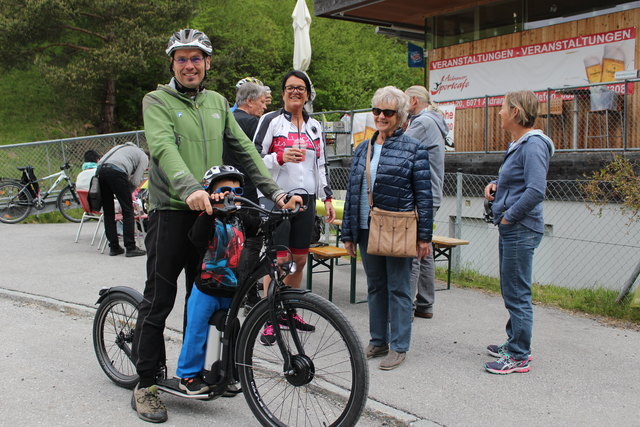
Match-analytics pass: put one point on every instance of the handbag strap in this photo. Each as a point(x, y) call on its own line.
point(368, 172)
point(107, 158)
point(368, 169)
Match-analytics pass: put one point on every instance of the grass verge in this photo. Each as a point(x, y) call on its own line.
point(598, 302)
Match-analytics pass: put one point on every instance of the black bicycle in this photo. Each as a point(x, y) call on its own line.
point(314, 378)
point(17, 198)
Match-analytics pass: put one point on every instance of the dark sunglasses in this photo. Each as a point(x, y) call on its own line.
point(238, 191)
point(387, 113)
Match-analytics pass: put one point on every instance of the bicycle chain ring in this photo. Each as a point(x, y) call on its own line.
point(38, 204)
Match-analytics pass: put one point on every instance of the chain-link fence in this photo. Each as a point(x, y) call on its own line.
point(46, 157)
point(579, 250)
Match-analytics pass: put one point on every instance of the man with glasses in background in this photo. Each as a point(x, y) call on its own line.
point(184, 127)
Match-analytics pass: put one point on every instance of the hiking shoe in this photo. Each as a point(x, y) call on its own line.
point(117, 250)
point(147, 403)
point(299, 323)
point(501, 350)
point(135, 252)
point(507, 365)
point(393, 360)
point(267, 337)
point(195, 385)
point(372, 351)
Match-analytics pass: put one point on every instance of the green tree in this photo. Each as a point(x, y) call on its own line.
point(348, 64)
point(617, 183)
point(88, 47)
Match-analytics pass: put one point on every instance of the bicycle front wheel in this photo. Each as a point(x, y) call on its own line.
point(329, 379)
point(113, 328)
point(15, 202)
point(69, 204)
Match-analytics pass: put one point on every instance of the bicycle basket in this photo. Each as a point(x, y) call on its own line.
point(29, 178)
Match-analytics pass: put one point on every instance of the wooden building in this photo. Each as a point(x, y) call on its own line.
point(452, 31)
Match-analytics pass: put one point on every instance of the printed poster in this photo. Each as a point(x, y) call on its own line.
point(576, 61)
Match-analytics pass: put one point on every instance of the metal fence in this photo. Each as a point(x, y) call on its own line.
point(579, 250)
point(586, 118)
point(47, 156)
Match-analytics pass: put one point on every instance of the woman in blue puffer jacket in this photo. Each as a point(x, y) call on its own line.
point(400, 181)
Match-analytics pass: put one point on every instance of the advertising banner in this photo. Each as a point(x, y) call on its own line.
point(449, 112)
point(415, 56)
point(575, 61)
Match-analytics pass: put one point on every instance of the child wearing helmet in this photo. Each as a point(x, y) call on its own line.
point(221, 242)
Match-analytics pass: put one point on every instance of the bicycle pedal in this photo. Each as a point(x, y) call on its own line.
point(232, 390)
point(172, 386)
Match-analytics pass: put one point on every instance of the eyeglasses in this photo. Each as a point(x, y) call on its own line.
point(238, 191)
point(291, 89)
point(195, 60)
point(387, 113)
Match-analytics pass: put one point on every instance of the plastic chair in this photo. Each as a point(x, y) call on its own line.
point(88, 214)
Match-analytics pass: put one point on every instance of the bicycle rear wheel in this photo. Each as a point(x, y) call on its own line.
point(113, 328)
point(69, 204)
point(15, 202)
point(329, 381)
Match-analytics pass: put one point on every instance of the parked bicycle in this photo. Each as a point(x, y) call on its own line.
point(17, 198)
point(315, 378)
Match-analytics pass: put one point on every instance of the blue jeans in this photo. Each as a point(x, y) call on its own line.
point(517, 244)
point(423, 281)
point(389, 297)
point(200, 307)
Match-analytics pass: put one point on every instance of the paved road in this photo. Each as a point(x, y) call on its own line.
point(583, 372)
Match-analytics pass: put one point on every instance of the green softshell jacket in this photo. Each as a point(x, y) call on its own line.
point(185, 140)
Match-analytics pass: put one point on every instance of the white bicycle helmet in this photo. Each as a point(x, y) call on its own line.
point(248, 80)
point(189, 38)
point(217, 172)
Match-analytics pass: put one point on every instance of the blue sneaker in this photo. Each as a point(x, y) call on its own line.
point(507, 365)
point(501, 350)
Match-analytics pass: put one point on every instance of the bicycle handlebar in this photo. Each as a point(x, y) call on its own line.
point(230, 206)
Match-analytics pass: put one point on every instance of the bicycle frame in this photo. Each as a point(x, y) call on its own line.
point(61, 176)
point(266, 266)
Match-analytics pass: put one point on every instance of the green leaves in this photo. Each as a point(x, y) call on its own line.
point(80, 44)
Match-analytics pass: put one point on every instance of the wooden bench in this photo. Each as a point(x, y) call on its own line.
point(326, 254)
point(442, 246)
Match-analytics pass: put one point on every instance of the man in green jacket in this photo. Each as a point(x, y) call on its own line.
point(184, 125)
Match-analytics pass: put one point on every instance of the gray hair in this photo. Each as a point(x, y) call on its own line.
point(249, 91)
point(422, 94)
point(392, 95)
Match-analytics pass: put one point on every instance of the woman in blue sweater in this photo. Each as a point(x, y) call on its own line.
point(517, 210)
point(400, 181)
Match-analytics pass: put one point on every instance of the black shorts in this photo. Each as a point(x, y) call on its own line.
point(295, 233)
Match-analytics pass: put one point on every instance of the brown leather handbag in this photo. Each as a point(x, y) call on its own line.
point(390, 233)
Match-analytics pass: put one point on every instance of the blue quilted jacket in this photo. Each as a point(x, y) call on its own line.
point(403, 183)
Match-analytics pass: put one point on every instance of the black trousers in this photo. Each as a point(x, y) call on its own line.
point(169, 251)
point(116, 183)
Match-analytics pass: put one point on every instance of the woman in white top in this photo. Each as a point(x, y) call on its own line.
point(293, 150)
